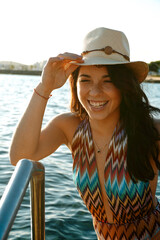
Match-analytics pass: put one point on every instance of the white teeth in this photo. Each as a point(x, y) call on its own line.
point(97, 104)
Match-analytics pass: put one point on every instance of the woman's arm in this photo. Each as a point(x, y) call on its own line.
point(28, 140)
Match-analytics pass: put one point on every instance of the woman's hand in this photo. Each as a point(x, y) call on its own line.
point(57, 70)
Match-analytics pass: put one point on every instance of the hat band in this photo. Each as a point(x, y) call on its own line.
point(108, 50)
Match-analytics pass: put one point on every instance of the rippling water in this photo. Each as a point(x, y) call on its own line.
point(66, 216)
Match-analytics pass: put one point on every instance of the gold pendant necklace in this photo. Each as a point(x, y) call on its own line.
point(99, 150)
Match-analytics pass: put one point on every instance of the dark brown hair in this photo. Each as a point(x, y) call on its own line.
point(136, 115)
point(75, 105)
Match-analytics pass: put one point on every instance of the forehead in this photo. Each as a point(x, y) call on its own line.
point(89, 70)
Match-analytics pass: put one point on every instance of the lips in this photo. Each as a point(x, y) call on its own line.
point(97, 104)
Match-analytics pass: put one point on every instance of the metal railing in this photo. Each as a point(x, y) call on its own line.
point(26, 171)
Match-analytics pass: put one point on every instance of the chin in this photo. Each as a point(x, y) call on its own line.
point(101, 116)
point(97, 116)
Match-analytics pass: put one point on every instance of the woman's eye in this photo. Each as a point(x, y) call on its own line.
point(84, 80)
point(107, 81)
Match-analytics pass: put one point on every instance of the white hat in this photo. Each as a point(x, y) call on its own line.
point(104, 46)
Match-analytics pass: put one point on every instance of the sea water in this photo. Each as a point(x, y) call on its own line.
point(66, 217)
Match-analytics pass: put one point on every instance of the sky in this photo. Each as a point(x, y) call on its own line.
point(34, 30)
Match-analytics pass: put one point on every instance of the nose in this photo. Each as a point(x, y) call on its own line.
point(95, 90)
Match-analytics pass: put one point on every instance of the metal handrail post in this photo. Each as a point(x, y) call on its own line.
point(13, 195)
point(37, 204)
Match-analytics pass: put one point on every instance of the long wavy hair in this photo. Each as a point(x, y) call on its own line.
point(136, 115)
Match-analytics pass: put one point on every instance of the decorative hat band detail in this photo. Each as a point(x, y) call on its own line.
point(108, 50)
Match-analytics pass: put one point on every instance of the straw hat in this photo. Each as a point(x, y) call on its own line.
point(104, 46)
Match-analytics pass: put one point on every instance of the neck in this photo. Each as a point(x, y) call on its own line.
point(104, 127)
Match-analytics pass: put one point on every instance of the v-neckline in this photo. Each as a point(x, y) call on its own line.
point(94, 151)
point(113, 135)
point(117, 126)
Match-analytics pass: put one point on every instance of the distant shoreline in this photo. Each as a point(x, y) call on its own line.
point(149, 78)
point(21, 72)
point(152, 79)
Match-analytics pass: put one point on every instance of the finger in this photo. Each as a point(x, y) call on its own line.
point(54, 59)
point(69, 56)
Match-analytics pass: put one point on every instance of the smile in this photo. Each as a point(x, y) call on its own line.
point(97, 104)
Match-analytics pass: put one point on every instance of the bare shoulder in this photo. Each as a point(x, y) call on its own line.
point(66, 119)
point(68, 123)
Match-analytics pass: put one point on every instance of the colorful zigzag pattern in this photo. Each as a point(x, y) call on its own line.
point(131, 204)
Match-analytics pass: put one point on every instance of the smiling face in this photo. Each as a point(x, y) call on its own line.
point(97, 94)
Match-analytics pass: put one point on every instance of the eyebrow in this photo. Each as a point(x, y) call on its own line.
point(106, 76)
point(88, 76)
point(84, 75)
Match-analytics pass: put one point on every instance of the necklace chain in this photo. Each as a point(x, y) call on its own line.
point(99, 150)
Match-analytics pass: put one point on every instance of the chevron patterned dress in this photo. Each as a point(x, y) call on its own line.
point(134, 217)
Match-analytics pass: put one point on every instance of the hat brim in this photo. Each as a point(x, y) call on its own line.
point(139, 68)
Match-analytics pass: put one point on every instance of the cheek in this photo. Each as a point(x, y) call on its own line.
point(80, 91)
point(115, 95)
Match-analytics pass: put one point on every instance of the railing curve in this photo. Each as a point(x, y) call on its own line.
point(26, 171)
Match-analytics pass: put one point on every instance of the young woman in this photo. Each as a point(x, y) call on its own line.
point(114, 140)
